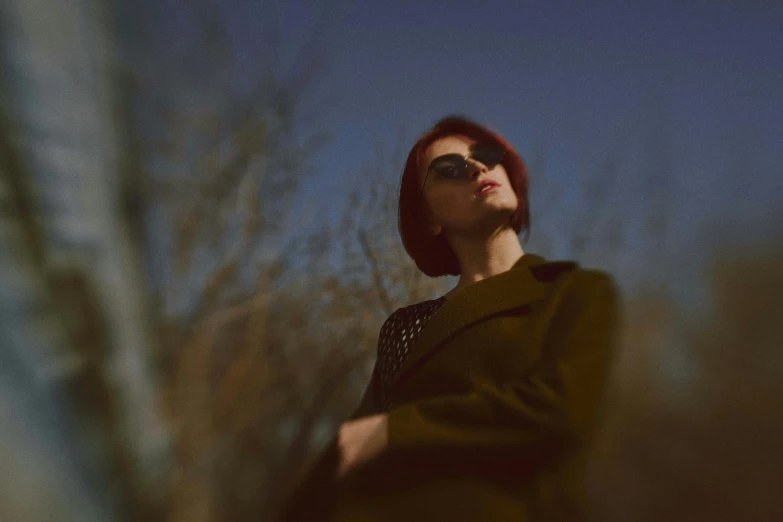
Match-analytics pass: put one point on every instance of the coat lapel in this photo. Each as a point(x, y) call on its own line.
point(511, 289)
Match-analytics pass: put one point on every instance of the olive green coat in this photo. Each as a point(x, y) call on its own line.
point(493, 410)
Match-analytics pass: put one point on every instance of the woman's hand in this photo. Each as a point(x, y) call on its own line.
point(361, 440)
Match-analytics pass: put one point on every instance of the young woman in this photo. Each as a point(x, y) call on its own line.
point(482, 402)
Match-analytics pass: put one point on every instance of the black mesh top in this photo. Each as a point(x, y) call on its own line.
point(397, 337)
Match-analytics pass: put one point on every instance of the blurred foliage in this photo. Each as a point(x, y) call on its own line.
point(707, 445)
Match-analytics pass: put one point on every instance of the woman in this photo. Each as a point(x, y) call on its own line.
point(482, 402)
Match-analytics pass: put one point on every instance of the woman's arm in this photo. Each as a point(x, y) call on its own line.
point(555, 401)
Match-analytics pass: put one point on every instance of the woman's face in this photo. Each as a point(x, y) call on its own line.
point(454, 205)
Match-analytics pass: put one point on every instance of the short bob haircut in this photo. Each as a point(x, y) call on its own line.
point(433, 255)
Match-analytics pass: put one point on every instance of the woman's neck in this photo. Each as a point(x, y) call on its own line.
point(484, 258)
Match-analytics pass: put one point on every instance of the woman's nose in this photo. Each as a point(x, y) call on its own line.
point(477, 168)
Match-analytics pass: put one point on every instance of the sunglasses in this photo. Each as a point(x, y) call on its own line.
point(456, 166)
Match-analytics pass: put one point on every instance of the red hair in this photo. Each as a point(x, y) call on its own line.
point(433, 255)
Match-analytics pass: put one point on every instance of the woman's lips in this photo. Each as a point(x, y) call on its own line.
point(485, 190)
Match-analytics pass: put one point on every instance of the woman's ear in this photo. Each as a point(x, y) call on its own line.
point(435, 229)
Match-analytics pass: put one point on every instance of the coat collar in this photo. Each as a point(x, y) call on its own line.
point(525, 282)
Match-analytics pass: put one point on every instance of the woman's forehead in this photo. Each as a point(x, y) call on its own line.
point(449, 145)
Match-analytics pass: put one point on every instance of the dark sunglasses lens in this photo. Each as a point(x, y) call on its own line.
point(450, 166)
point(489, 154)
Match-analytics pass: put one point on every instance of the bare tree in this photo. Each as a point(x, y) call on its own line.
point(221, 167)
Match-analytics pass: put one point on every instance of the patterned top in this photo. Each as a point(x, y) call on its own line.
point(397, 337)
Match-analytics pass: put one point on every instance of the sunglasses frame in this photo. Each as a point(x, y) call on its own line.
point(471, 155)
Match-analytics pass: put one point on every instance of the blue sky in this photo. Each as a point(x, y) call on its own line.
point(701, 79)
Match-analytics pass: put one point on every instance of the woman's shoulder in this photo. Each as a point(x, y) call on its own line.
point(569, 281)
point(579, 284)
point(569, 271)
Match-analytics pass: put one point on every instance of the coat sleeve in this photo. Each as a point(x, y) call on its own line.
point(557, 400)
